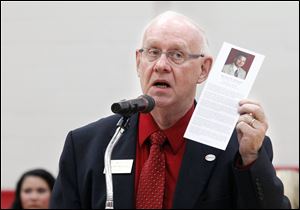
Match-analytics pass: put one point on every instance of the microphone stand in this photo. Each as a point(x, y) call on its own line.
point(122, 125)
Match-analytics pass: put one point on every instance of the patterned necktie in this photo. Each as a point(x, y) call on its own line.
point(152, 179)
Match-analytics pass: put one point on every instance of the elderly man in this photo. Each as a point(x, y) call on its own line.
point(170, 171)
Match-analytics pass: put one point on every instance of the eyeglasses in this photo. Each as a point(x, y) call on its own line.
point(174, 56)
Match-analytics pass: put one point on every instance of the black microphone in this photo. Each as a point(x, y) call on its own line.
point(143, 103)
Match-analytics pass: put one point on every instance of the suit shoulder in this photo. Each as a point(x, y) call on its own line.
point(103, 122)
point(103, 126)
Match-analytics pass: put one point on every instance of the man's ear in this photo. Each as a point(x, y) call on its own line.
point(205, 69)
point(138, 60)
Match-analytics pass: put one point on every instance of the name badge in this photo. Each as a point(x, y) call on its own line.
point(121, 166)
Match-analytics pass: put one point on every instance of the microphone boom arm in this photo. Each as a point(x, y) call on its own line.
point(122, 125)
point(144, 104)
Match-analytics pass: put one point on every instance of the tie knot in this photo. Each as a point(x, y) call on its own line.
point(158, 138)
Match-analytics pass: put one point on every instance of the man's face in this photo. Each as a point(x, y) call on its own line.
point(169, 83)
point(240, 61)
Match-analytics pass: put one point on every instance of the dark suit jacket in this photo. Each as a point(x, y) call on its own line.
point(201, 184)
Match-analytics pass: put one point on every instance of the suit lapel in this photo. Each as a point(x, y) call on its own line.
point(123, 184)
point(194, 174)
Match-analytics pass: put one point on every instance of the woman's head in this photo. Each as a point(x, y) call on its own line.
point(34, 190)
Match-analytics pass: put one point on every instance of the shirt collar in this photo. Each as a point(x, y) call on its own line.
point(147, 126)
point(235, 67)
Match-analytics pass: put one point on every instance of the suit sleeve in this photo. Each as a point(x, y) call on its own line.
point(258, 186)
point(65, 192)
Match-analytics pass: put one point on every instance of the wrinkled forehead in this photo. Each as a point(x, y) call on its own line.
point(176, 32)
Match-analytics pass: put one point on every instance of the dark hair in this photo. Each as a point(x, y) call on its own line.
point(45, 175)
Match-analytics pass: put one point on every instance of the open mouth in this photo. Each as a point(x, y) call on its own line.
point(161, 84)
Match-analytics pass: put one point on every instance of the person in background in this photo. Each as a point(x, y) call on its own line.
point(33, 190)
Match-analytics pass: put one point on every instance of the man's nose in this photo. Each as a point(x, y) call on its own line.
point(162, 64)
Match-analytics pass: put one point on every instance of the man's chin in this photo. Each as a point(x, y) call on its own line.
point(161, 102)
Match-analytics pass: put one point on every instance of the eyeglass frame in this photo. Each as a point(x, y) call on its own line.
point(188, 56)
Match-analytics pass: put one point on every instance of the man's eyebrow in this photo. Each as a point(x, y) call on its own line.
point(178, 45)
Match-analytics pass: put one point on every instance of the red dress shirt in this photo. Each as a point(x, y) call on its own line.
point(173, 149)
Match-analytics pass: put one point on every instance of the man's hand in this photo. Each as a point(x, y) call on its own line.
point(251, 129)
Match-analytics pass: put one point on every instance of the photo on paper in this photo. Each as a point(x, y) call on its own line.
point(216, 113)
point(238, 63)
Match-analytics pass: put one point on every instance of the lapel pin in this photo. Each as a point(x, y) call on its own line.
point(210, 157)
